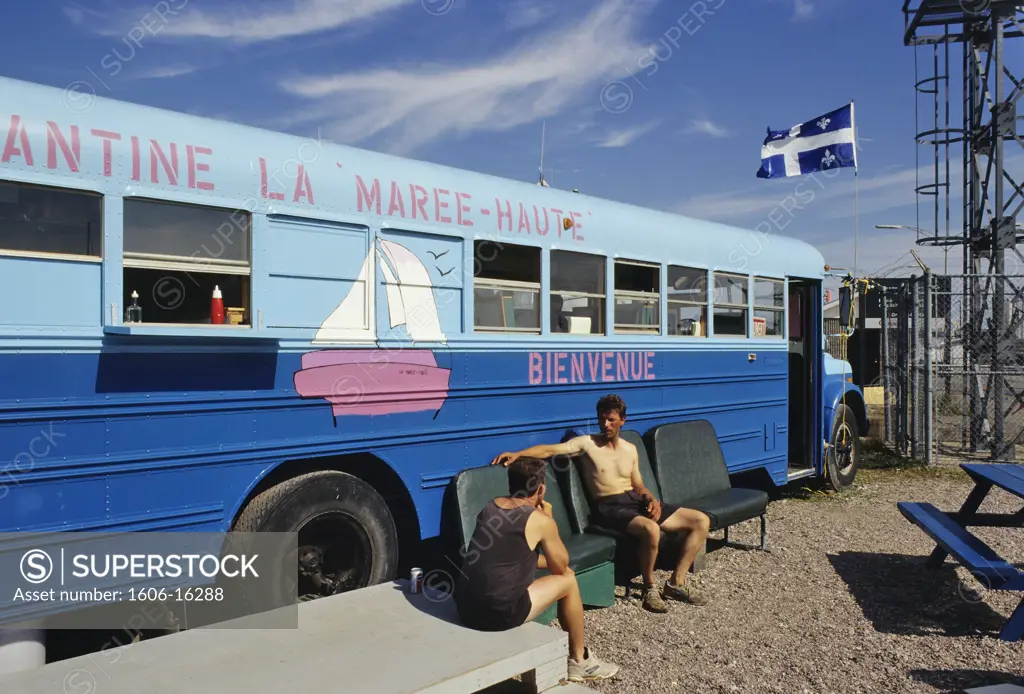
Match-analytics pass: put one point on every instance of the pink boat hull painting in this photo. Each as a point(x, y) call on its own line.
point(378, 381)
point(374, 382)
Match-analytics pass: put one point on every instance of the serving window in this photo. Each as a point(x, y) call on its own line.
point(177, 255)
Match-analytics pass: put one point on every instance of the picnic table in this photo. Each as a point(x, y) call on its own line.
point(949, 530)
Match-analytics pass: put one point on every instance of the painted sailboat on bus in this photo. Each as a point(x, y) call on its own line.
point(380, 381)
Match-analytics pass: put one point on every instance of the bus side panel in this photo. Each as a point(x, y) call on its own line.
point(154, 438)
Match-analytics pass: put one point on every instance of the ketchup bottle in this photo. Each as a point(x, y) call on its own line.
point(217, 307)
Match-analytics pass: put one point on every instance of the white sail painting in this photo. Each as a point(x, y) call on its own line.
point(380, 381)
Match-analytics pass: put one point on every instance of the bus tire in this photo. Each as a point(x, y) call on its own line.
point(843, 451)
point(347, 538)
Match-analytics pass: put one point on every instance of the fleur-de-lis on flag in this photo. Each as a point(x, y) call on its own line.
point(823, 123)
point(828, 160)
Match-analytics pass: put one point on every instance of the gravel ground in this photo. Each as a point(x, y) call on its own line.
point(841, 603)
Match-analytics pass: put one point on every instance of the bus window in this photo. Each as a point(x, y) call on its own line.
point(506, 288)
point(687, 301)
point(578, 282)
point(730, 305)
point(769, 307)
point(176, 254)
point(637, 297)
point(34, 219)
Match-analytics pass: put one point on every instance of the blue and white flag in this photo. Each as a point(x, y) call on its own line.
point(828, 142)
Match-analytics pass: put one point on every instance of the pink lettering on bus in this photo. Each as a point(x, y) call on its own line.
point(589, 367)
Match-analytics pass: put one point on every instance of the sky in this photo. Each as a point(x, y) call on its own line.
point(659, 103)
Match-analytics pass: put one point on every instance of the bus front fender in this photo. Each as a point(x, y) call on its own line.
point(838, 392)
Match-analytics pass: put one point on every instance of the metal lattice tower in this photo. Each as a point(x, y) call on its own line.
point(993, 194)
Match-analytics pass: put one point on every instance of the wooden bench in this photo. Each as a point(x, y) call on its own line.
point(977, 557)
point(990, 569)
point(949, 531)
point(591, 557)
point(379, 639)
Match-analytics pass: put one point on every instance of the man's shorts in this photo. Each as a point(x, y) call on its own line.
point(478, 615)
point(616, 511)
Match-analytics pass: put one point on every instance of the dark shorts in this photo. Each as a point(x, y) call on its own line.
point(484, 617)
point(616, 511)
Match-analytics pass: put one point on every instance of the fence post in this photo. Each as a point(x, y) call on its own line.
point(928, 380)
point(911, 399)
point(886, 404)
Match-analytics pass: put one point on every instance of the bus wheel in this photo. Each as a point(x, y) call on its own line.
point(346, 536)
point(844, 450)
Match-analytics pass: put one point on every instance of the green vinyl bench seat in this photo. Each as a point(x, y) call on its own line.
point(688, 461)
point(591, 557)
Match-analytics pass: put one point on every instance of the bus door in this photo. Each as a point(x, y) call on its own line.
point(802, 358)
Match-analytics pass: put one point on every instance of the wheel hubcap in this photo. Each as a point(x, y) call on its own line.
point(334, 556)
point(843, 448)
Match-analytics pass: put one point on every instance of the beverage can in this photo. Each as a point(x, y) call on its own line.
point(416, 580)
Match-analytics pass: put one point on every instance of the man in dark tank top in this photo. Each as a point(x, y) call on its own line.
point(497, 589)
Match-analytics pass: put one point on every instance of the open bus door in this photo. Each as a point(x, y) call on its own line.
point(804, 356)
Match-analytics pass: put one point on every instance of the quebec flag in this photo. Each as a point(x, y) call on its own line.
point(827, 142)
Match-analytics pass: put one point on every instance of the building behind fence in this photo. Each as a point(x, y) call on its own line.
point(952, 385)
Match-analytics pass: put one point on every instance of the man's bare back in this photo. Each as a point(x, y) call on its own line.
point(611, 469)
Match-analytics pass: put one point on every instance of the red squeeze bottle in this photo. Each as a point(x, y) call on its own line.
point(217, 307)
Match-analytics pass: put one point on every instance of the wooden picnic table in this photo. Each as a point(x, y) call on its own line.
point(949, 530)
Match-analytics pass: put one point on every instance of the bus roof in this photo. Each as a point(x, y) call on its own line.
point(77, 139)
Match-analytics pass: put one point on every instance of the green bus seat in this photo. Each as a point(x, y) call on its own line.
point(591, 556)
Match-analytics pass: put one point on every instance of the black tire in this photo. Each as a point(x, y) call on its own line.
point(844, 450)
point(346, 537)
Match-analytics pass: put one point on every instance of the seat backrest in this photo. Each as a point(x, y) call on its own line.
point(687, 459)
point(556, 498)
point(647, 472)
point(476, 487)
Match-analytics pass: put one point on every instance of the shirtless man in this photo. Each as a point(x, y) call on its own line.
point(623, 503)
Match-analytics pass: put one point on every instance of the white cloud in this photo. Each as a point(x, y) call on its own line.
point(705, 126)
point(252, 22)
point(536, 79)
point(877, 193)
point(165, 71)
point(523, 14)
point(803, 9)
point(626, 136)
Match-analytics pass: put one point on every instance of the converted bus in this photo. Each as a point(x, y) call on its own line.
point(381, 324)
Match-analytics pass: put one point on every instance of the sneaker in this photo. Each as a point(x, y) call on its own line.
point(684, 593)
point(591, 668)
point(652, 600)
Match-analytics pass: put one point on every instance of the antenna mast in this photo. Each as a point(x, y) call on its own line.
point(541, 181)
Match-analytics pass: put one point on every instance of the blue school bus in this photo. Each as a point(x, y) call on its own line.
point(208, 326)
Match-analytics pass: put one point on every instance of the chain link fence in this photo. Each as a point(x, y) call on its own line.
point(953, 382)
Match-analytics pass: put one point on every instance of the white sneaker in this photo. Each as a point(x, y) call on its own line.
point(591, 668)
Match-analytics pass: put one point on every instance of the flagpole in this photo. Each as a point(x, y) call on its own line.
point(856, 190)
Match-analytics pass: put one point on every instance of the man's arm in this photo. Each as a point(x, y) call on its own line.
point(653, 505)
point(556, 556)
point(572, 447)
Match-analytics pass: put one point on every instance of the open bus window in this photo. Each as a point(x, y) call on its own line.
point(637, 298)
point(769, 307)
point(577, 292)
point(730, 305)
point(175, 255)
point(34, 219)
point(687, 301)
point(506, 288)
